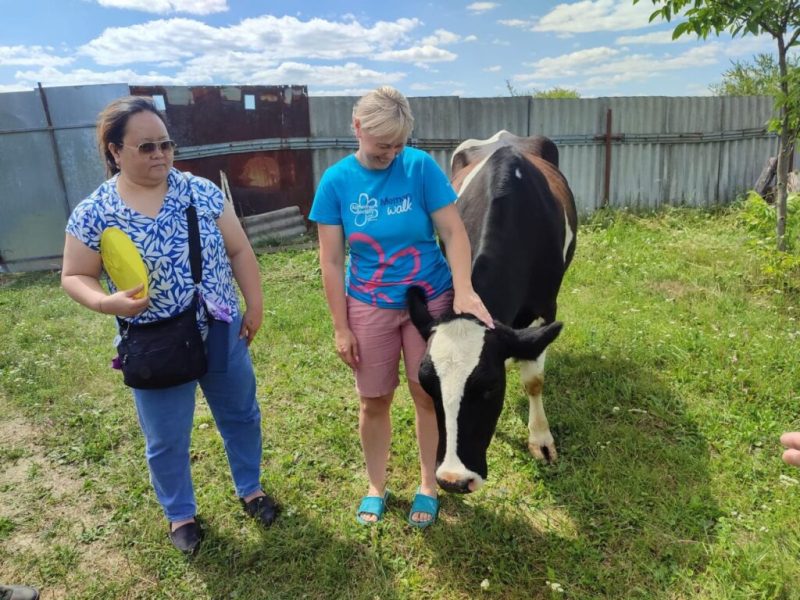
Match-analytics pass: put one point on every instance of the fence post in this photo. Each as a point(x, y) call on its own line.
point(54, 143)
point(607, 174)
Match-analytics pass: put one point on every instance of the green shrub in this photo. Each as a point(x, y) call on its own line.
point(781, 268)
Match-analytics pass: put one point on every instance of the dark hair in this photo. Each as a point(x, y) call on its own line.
point(111, 123)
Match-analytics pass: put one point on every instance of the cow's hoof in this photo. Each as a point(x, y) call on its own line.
point(543, 452)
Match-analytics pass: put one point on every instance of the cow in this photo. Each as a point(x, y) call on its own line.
point(520, 217)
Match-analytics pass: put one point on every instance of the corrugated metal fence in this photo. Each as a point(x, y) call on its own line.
point(663, 150)
point(659, 150)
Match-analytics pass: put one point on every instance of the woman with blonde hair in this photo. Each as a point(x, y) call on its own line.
point(388, 202)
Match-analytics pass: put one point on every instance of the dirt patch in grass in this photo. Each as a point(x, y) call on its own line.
point(44, 505)
point(675, 290)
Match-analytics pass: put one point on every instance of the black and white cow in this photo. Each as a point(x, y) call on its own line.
point(520, 217)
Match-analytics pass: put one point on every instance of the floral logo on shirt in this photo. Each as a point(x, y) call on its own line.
point(365, 210)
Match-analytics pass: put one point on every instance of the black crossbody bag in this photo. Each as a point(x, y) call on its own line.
point(171, 351)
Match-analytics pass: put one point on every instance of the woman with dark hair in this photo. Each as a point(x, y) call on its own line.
point(147, 199)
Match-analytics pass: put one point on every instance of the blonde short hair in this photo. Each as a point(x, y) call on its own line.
point(384, 112)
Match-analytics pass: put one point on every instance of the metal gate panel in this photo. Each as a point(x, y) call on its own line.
point(46, 170)
point(73, 112)
point(481, 118)
point(32, 210)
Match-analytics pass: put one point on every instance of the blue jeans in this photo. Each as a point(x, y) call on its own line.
point(166, 416)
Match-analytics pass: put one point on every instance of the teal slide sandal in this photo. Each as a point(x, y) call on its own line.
point(372, 505)
point(423, 504)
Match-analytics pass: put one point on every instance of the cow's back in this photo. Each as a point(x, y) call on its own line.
point(520, 217)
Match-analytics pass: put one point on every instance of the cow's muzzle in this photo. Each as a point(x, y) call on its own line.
point(451, 482)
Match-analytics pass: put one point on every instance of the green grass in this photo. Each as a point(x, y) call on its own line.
point(675, 374)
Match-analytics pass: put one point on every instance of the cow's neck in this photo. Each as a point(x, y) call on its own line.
point(498, 286)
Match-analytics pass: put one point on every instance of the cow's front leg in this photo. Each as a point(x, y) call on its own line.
point(540, 441)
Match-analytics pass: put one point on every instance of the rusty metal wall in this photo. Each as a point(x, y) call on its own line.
point(45, 171)
point(216, 131)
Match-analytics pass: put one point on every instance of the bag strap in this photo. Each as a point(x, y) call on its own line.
point(195, 257)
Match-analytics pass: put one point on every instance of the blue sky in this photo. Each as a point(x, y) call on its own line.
point(424, 48)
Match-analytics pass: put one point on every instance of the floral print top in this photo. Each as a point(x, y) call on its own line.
point(163, 243)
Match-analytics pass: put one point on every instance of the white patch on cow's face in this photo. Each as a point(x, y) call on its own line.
point(455, 350)
point(517, 174)
point(568, 235)
point(476, 143)
point(471, 175)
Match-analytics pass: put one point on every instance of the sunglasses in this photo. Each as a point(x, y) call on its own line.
point(150, 147)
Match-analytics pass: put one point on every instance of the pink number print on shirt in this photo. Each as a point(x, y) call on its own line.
point(371, 285)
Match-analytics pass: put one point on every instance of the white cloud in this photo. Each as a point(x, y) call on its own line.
point(253, 68)
point(441, 37)
point(601, 67)
point(518, 23)
point(14, 87)
point(493, 69)
point(596, 15)
point(481, 7)
point(195, 7)
point(656, 37)
point(571, 64)
point(228, 66)
point(344, 92)
point(31, 56)
point(51, 77)
point(348, 74)
point(421, 54)
point(420, 87)
point(274, 37)
point(748, 46)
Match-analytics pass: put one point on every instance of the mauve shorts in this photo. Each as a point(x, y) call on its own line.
point(381, 334)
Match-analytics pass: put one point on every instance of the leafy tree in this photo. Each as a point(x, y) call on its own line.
point(556, 92)
point(777, 18)
point(761, 77)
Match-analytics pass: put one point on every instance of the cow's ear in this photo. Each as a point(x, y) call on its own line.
point(418, 311)
point(528, 343)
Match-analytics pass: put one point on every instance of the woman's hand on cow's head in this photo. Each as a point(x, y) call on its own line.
point(469, 302)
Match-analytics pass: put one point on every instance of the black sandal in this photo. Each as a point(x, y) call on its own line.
point(186, 538)
point(262, 508)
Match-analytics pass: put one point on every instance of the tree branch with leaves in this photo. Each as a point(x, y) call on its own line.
point(781, 20)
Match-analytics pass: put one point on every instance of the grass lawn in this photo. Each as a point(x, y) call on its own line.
point(676, 372)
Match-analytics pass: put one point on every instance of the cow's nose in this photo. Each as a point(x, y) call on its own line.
point(451, 482)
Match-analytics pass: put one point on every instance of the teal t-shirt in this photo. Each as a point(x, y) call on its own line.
point(386, 218)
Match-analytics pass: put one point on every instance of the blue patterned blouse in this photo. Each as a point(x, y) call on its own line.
point(163, 243)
